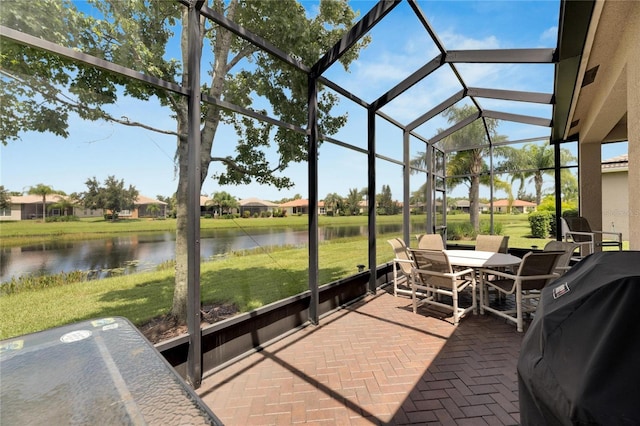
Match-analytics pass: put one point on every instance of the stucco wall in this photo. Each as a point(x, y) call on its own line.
point(615, 202)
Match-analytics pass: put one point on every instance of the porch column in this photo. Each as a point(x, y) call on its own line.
point(590, 175)
point(633, 130)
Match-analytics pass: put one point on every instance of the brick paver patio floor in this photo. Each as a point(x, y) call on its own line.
point(376, 362)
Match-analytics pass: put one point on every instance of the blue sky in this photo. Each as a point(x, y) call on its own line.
point(399, 47)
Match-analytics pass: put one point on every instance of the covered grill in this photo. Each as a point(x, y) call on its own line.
point(580, 359)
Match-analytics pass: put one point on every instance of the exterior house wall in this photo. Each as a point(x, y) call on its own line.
point(615, 202)
point(12, 213)
point(87, 213)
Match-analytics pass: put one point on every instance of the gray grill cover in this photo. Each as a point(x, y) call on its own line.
point(580, 359)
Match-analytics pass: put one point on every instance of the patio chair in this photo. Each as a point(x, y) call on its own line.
point(535, 271)
point(568, 249)
point(577, 229)
point(494, 243)
point(430, 241)
point(433, 276)
point(402, 264)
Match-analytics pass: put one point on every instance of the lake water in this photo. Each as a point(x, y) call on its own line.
point(136, 252)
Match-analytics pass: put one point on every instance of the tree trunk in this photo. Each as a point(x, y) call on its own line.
point(474, 202)
point(179, 306)
point(207, 135)
point(538, 184)
point(474, 189)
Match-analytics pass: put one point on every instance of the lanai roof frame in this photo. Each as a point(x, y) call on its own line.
point(377, 13)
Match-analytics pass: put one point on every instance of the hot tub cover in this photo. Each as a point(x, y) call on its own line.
point(580, 359)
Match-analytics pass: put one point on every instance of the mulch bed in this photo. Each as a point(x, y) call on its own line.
point(166, 327)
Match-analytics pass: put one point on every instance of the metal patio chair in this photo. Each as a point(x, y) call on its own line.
point(535, 271)
point(433, 276)
point(564, 261)
point(577, 229)
point(494, 243)
point(430, 241)
point(402, 264)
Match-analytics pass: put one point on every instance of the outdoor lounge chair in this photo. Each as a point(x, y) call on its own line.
point(430, 241)
point(434, 277)
point(535, 271)
point(578, 230)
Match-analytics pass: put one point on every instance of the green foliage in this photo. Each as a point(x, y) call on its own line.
point(67, 218)
point(42, 190)
point(485, 227)
point(466, 166)
point(541, 223)
point(37, 282)
point(333, 204)
point(571, 213)
point(5, 198)
point(460, 231)
point(112, 196)
point(222, 202)
point(351, 204)
point(385, 203)
point(457, 231)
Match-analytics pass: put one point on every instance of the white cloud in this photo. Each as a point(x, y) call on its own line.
point(551, 34)
point(454, 41)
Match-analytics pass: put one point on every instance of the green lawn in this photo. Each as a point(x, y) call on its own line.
point(246, 279)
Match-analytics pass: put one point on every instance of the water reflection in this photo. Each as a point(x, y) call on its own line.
point(144, 251)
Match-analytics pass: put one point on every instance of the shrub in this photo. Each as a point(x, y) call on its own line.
point(246, 214)
point(570, 213)
point(540, 224)
point(68, 218)
point(485, 227)
point(460, 231)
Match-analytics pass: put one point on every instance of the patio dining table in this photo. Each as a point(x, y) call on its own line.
point(481, 259)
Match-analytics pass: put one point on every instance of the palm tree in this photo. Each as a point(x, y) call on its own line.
point(153, 210)
point(44, 190)
point(65, 205)
point(532, 162)
point(467, 165)
point(352, 202)
point(223, 200)
point(332, 202)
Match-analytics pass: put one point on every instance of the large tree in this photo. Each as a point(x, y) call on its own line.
point(136, 34)
point(112, 196)
point(385, 202)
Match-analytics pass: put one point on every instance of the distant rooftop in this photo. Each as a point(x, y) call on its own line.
point(618, 162)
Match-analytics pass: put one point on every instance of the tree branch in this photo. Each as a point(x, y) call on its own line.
point(54, 95)
point(243, 53)
point(235, 166)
